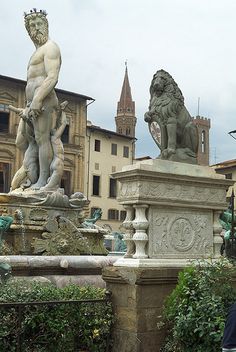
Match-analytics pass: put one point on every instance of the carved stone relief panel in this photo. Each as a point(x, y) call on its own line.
point(162, 191)
point(180, 233)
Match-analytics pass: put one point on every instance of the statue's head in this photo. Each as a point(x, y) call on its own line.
point(36, 24)
point(163, 82)
point(159, 81)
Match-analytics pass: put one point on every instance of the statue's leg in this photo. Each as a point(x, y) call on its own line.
point(171, 137)
point(190, 137)
point(42, 126)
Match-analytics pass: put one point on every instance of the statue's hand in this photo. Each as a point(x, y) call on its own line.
point(24, 114)
point(35, 109)
point(34, 113)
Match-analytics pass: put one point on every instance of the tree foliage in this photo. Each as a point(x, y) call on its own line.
point(195, 311)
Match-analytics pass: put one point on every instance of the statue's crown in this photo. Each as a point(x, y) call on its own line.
point(34, 10)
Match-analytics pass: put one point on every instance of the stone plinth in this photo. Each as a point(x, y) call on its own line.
point(175, 208)
point(172, 217)
point(138, 295)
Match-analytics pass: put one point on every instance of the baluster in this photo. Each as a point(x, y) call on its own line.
point(140, 224)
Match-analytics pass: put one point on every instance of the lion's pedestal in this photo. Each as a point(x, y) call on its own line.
point(172, 216)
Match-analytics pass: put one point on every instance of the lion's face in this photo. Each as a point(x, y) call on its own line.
point(158, 83)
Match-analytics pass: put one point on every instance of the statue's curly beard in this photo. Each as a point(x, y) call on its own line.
point(39, 38)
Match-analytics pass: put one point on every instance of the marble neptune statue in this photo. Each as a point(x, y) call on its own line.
point(42, 115)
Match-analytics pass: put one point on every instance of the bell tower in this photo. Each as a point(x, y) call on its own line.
point(125, 118)
point(203, 125)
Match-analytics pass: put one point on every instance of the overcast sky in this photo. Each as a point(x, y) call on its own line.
point(194, 40)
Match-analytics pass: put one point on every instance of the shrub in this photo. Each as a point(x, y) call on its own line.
point(57, 327)
point(195, 311)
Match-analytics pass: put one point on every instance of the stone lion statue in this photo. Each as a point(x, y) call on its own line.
point(179, 135)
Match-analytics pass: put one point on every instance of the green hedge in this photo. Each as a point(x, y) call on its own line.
point(195, 312)
point(54, 328)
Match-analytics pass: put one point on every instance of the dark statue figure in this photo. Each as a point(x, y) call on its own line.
point(177, 136)
point(90, 223)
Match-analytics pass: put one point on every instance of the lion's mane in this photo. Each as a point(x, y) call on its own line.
point(170, 101)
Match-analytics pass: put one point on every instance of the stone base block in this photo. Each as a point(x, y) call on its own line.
point(138, 295)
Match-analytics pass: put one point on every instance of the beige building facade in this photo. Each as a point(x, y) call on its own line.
point(107, 152)
point(12, 92)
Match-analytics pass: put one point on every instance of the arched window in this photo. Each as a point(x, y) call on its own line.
point(127, 131)
point(203, 142)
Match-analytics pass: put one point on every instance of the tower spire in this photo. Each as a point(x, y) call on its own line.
point(125, 118)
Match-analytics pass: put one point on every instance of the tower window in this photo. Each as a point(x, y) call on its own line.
point(203, 142)
point(127, 132)
point(114, 149)
point(120, 130)
point(97, 145)
point(96, 185)
point(125, 152)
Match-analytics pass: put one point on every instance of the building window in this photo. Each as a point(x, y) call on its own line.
point(203, 141)
point(4, 122)
point(5, 177)
point(4, 107)
point(97, 145)
point(65, 135)
point(228, 176)
point(112, 188)
point(96, 185)
point(113, 214)
point(96, 166)
point(66, 182)
point(113, 169)
point(126, 152)
point(92, 211)
point(120, 130)
point(127, 132)
point(122, 215)
point(114, 149)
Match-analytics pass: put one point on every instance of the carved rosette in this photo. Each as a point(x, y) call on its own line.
point(140, 237)
point(129, 231)
point(217, 239)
